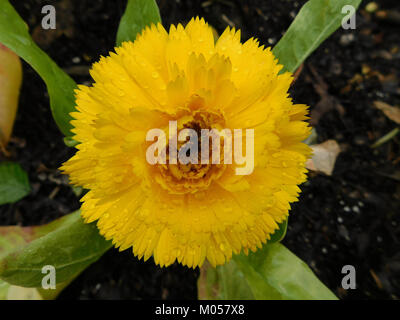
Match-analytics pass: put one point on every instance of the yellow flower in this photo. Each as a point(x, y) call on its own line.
point(191, 212)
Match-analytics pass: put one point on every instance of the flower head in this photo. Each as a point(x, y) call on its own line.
point(195, 211)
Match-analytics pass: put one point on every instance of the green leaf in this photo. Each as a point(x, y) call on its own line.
point(68, 244)
point(316, 21)
point(51, 294)
point(271, 273)
point(14, 35)
point(70, 142)
point(222, 283)
point(138, 15)
point(280, 233)
point(10, 292)
point(14, 183)
point(4, 286)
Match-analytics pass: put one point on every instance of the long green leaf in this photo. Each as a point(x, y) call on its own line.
point(14, 183)
point(316, 21)
point(68, 244)
point(271, 273)
point(138, 15)
point(14, 35)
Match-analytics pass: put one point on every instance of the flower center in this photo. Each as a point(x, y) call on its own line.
point(196, 147)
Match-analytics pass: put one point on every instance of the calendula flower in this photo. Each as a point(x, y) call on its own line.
point(187, 212)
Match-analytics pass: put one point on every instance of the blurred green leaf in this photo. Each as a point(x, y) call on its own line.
point(10, 84)
point(271, 273)
point(14, 35)
point(68, 244)
point(4, 286)
point(316, 21)
point(14, 183)
point(10, 292)
point(138, 15)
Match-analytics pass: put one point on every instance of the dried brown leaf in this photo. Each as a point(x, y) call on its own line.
point(393, 113)
point(324, 157)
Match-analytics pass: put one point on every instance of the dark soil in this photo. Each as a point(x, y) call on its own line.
point(349, 218)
